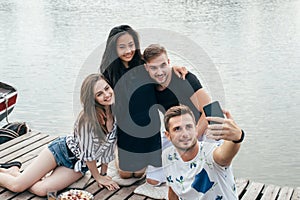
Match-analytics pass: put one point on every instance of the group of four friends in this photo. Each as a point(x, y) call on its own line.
point(120, 121)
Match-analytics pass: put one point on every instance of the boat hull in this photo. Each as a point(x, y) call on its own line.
point(8, 99)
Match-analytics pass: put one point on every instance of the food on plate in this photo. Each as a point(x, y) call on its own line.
point(76, 195)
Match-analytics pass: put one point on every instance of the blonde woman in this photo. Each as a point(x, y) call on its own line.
point(70, 157)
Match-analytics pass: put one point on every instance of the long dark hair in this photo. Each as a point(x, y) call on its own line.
point(111, 65)
point(93, 113)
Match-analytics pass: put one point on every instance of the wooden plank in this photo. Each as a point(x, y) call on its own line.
point(7, 195)
point(104, 194)
point(296, 194)
point(285, 193)
point(21, 145)
point(137, 197)
point(270, 193)
point(38, 198)
point(24, 195)
point(253, 191)
point(25, 150)
point(124, 192)
point(241, 185)
point(17, 140)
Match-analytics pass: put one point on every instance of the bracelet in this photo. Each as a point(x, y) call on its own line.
point(104, 174)
point(240, 140)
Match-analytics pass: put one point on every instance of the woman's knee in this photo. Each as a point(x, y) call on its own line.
point(39, 189)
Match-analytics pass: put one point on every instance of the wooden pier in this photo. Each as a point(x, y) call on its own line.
point(28, 146)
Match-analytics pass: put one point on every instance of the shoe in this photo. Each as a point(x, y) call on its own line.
point(11, 164)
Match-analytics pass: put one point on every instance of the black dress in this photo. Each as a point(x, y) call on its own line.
point(138, 122)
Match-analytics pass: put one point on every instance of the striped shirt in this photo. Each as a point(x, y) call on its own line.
point(85, 145)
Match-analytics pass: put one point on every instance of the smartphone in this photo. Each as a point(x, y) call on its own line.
point(213, 110)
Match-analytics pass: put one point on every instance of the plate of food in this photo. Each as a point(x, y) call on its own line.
point(75, 195)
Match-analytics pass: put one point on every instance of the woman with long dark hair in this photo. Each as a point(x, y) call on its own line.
point(121, 54)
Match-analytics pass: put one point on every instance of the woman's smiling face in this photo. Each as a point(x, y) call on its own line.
point(125, 48)
point(104, 94)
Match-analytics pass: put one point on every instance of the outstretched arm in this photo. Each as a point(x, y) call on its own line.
point(200, 98)
point(229, 132)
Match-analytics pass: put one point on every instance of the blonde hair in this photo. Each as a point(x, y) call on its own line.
point(93, 113)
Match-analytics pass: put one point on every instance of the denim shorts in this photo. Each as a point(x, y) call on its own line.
point(62, 154)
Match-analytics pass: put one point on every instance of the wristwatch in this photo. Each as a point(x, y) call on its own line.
point(240, 140)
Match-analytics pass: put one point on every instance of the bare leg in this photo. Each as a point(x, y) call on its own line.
point(60, 178)
point(43, 164)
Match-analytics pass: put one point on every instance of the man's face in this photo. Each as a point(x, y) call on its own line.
point(159, 69)
point(182, 132)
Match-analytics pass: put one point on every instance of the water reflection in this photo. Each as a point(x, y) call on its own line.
point(254, 44)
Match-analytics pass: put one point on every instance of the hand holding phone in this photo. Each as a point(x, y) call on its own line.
point(213, 110)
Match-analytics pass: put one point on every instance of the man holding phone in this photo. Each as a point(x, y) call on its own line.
point(200, 170)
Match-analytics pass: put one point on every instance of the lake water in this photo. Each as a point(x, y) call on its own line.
point(253, 46)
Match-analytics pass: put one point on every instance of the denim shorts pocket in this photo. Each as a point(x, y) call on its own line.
point(59, 150)
point(63, 149)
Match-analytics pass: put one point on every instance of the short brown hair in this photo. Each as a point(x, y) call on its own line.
point(153, 51)
point(176, 111)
